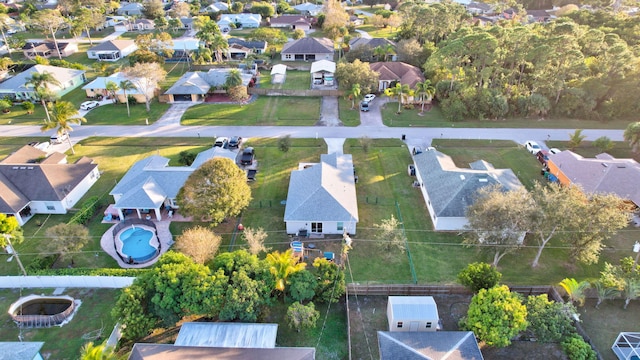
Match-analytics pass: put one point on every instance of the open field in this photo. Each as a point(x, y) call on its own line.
point(433, 118)
point(265, 110)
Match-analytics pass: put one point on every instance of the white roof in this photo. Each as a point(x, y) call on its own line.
point(323, 65)
point(101, 83)
point(227, 335)
point(242, 18)
point(413, 307)
point(186, 44)
point(279, 69)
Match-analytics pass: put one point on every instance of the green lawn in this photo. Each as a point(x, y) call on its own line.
point(295, 80)
point(434, 118)
point(348, 116)
point(266, 110)
point(376, 32)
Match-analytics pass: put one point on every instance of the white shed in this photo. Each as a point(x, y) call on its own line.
point(322, 72)
point(412, 313)
point(278, 73)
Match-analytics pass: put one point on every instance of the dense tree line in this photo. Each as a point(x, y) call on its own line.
point(233, 286)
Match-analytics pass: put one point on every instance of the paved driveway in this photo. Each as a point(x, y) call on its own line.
point(329, 112)
point(373, 117)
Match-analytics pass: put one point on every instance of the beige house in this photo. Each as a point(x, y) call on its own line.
point(98, 87)
point(48, 49)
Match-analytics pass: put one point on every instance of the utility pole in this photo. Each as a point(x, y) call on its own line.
point(15, 253)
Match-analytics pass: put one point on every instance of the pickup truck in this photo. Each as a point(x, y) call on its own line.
point(247, 156)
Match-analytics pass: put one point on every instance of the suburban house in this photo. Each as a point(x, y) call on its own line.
point(23, 350)
point(130, 9)
point(308, 49)
point(182, 48)
point(450, 345)
point(151, 185)
point(16, 87)
point(308, 9)
point(112, 50)
point(322, 197)
point(244, 20)
point(393, 72)
point(222, 340)
point(293, 22)
point(135, 25)
point(215, 7)
point(98, 87)
point(448, 190)
point(113, 20)
point(322, 72)
point(603, 174)
point(48, 49)
point(34, 182)
point(195, 85)
point(240, 48)
point(372, 44)
point(412, 313)
point(479, 8)
point(356, 20)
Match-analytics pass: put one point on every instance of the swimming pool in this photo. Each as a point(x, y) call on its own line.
point(137, 244)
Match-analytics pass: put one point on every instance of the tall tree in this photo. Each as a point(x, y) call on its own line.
point(145, 77)
point(281, 266)
point(336, 18)
point(91, 351)
point(390, 235)
point(67, 239)
point(126, 85)
point(112, 87)
point(153, 9)
point(357, 72)
point(354, 94)
point(425, 90)
point(5, 24)
point(50, 22)
point(40, 83)
point(215, 191)
point(302, 316)
point(63, 115)
point(632, 135)
point(498, 220)
point(255, 240)
point(199, 243)
point(399, 91)
point(86, 19)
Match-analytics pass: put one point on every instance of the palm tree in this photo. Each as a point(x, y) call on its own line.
point(218, 45)
point(379, 52)
point(353, 94)
point(63, 115)
point(283, 265)
point(400, 91)
point(631, 290)
point(124, 86)
point(40, 83)
point(388, 50)
point(233, 79)
point(111, 88)
point(604, 292)
point(424, 90)
point(97, 352)
point(574, 289)
point(576, 138)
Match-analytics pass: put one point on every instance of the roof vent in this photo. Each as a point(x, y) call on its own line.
point(462, 177)
point(30, 168)
point(605, 165)
point(621, 166)
point(483, 180)
point(23, 167)
point(15, 168)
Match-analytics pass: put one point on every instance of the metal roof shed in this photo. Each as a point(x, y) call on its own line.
point(227, 335)
point(412, 313)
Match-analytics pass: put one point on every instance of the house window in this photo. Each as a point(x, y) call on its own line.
point(51, 207)
point(399, 324)
point(340, 226)
point(287, 56)
point(316, 227)
point(429, 325)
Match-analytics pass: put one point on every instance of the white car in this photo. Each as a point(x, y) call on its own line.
point(88, 105)
point(554, 150)
point(369, 97)
point(532, 147)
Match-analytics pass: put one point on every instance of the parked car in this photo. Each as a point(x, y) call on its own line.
point(221, 141)
point(532, 147)
point(58, 138)
point(369, 97)
point(542, 156)
point(88, 105)
point(247, 156)
point(364, 106)
point(554, 150)
point(235, 141)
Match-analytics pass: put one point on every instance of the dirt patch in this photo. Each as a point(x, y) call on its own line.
point(368, 315)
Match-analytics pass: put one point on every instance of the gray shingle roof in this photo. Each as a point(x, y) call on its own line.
point(248, 44)
point(27, 350)
point(199, 82)
point(113, 45)
point(228, 335)
point(323, 192)
point(436, 345)
point(309, 45)
point(452, 189)
point(373, 42)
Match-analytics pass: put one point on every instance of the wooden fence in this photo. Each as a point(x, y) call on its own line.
point(292, 92)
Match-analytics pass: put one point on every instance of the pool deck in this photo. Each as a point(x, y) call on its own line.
point(164, 236)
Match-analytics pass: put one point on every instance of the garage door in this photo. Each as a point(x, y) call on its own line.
point(182, 97)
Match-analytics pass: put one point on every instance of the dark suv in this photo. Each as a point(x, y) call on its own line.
point(247, 156)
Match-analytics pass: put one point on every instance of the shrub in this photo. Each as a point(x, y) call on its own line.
point(28, 106)
point(41, 263)
point(577, 349)
point(186, 158)
point(548, 320)
point(284, 143)
point(87, 211)
point(478, 276)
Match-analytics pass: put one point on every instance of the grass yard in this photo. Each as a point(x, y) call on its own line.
point(116, 114)
point(434, 118)
point(266, 110)
point(348, 116)
point(377, 32)
point(295, 80)
point(64, 343)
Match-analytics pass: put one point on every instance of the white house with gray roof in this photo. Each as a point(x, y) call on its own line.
point(151, 185)
point(112, 50)
point(322, 197)
point(448, 190)
point(195, 85)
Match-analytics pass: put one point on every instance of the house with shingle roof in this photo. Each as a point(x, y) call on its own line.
point(450, 345)
point(112, 50)
point(98, 87)
point(34, 182)
point(448, 190)
point(391, 72)
point(322, 197)
point(17, 88)
point(245, 21)
point(308, 9)
point(130, 9)
point(240, 48)
point(603, 174)
point(151, 185)
point(195, 85)
point(308, 49)
point(293, 22)
point(47, 49)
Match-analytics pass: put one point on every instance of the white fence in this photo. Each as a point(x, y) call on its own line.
point(113, 282)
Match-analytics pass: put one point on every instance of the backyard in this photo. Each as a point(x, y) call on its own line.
point(294, 80)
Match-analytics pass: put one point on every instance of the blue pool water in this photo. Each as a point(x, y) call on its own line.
point(135, 244)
